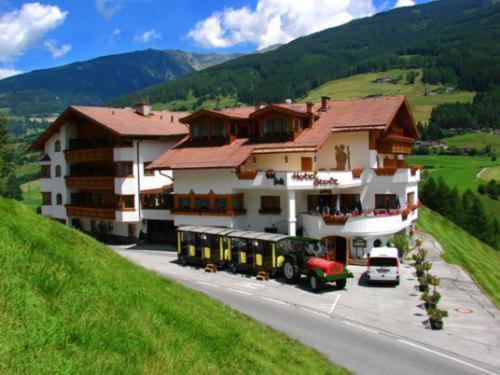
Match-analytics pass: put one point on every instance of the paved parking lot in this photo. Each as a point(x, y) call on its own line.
point(472, 329)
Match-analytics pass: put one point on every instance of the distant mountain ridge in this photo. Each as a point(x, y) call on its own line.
point(448, 38)
point(98, 80)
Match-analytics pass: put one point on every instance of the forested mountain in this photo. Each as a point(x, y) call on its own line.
point(452, 40)
point(95, 81)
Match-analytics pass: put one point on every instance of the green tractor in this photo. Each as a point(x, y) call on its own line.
point(307, 257)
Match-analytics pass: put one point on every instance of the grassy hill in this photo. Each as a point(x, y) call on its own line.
point(477, 141)
point(490, 173)
point(362, 85)
point(459, 171)
point(453, 36)
point(70, 305)
point(95, 81)
point(481, 261)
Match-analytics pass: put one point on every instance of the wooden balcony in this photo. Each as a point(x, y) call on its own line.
point(94, 154)
point(393, 144)
point(90, 182)
point(90, 212)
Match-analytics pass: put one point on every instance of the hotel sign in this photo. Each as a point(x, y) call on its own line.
point(312, 176)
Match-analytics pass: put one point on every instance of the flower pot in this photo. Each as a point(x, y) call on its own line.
point(423, 287)
point(436, 324)
point(431, 305)
point(420, 273)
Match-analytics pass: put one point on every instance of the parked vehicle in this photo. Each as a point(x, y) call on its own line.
point(308, 257)
point(254, 252)
point(383, 265)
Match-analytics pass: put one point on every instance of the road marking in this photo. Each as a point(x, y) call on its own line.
point(207, 284)
point(239, 291)
point(275, 300)
point(334, 304)
point(360, 327)
point(314, 312)
point(447, 357)
point(249, 285)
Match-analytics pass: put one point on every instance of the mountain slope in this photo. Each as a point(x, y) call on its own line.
point(95, 81)
point(68, 304)
point(456, 34)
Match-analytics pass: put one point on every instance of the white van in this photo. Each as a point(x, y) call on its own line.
point(383, 264)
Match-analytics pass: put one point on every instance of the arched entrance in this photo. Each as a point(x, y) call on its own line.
point(336, 247)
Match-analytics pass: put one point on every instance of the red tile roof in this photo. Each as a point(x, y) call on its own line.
point(342, 115)
point(120, 121)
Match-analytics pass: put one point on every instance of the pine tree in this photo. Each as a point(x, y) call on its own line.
point(428, 193)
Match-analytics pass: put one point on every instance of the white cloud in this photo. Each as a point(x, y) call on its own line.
point(275, 21)
point(25, 27)
point(55, 49)
point(147, 36)
point(116, 32)
point(108, 7)
point(404, 3)
point(6, 72)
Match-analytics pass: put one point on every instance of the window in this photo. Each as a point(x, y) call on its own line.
point(220, 204)
point(58, 171)
point(126, 202)
point(184, 203)
point(200, 131)
point(386, 201)
point(410, 198)
point(276, 126)
point(124, 169)
point(46, 199)
point(148, 172)
point(57, 146)
point(270, 204)
point(377, 243)
point(211, 202)
point(217, 130)
point(59, 199)
point(349, 202)
point(201, 204)
point(45, 172)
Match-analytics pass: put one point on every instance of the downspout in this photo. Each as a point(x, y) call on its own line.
point(139, 181)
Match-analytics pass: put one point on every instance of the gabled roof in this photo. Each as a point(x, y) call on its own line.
point(342, 115)
point(124, 122)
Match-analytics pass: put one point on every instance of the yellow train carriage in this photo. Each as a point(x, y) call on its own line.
point(241, 251)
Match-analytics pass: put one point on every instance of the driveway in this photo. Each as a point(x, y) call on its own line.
point(371, 318)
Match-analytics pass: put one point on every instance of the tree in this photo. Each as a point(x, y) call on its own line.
point(8, 180)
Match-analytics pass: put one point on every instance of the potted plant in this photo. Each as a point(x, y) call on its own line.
point(419, 267)
point(424, 282)
point(431, 299)
point(419, 257)
point(436, 317)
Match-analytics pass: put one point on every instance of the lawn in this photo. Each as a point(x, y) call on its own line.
point(31, 194)
point(361, 85)
point(481, 261)
point(70, 305)
point(459, 171)
point(491, 173)
point(477, 141)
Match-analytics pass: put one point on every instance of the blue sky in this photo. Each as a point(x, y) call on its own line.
point(43, 34)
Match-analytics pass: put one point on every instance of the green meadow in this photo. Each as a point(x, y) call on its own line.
point(68, 305)
point(459, 171)
point(477, 141)
point(480, 260)
point(361, 85)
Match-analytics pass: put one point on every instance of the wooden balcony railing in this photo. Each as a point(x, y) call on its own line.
point(90, 212)
point(95, 154)
point(90, 182)
point(393, 144)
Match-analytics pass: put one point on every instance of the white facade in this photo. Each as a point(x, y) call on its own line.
point(139, 153)
point(293, 187)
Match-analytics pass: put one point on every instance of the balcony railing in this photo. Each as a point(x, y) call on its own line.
point(90, 182)
point(90, 212)
point(96, 154)
point(393, 144)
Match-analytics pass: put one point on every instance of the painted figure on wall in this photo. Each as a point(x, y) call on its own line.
point(340, 157)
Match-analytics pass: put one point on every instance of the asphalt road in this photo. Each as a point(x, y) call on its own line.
point(358, 347)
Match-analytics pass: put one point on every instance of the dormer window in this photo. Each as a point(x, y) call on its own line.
point(276, 126)
point(208, 130)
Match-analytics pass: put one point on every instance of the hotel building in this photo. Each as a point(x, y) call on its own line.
point(332, 170)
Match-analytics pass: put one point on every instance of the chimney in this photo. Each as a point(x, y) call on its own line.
point(257, 106)
point(325, 103)
point(143, 109)
point(309, 107)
